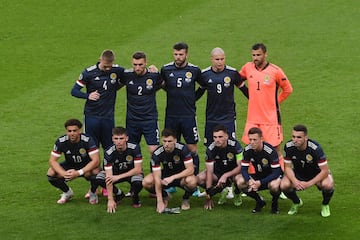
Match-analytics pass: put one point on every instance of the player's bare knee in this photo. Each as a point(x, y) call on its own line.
point(327, 185)
point(95, 171)
point(191, 181)
point(241, 183)
point(274, 185)
point(50, 172)
point(285, 185)
point(147, 182)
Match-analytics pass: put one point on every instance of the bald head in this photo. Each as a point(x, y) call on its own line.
point(217, 59)
point(217, 51)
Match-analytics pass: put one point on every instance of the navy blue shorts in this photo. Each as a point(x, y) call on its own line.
point(209, 126)
point(100, 129)
point(175, 183)
point(66, 166)
point(150, 130)
point(303, 178)
point(186, 127)
point(229, 180)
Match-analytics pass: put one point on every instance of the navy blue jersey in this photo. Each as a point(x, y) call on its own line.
point(224, 159)
point(180, 89)
point(122, 161)
point(266, 163)
point(76, 154)
point(106, 83)
point(141, 95)
point(306, 163)
point(172, 163)
point(220, 104)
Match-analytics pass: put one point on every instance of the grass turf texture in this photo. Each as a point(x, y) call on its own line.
point(45, 45)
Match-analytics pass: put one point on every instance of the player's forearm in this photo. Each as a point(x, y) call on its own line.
point(233, 172)
point(245, 173)
point(227, 175)
point(53, 162)
point(158, 191)
point(187, 172)
point(209, 175)
point(130, 173)
point(208, 179)
point(109, 189)
point(76, 92)
point(245, 91)
point(109, 182)
point(285, 93)
point(199, 92)
point(274, 174)
point(289, 172)
point(93, 164)
point(57, 168)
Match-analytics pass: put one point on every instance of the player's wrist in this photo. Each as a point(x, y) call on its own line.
point(209, 193)
point(80, 172)
point(207, 197)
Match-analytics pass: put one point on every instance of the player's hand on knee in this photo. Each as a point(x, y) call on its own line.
point(70, 174)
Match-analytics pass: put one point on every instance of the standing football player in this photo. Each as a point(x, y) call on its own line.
point(179, 83)
point(268, 86)
point(101, 82)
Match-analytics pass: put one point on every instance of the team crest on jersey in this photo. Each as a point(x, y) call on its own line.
point(309, 158)
point(188, 76)
point(113, 78)
point(267, 79)
point(227, 81)
point(82, 151)
point(264, 161)
point(129, 158)
point(176, 159)
point(149, 83)
point(230, 155)
point(81, 76)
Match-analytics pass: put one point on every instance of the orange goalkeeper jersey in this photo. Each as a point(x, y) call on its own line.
point(267, 88)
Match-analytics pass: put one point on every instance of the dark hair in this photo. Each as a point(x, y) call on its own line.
point(167, 132)
point(139, 55)
point(255, 130)
point(119, 131)
point(257, 46)
point(108, 55)
point(73, 122)
point(181, 45)
point(300, 128)
point(219, 128)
